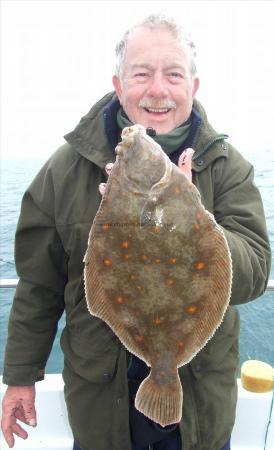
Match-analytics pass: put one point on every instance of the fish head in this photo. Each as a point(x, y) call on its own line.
point(141, 160)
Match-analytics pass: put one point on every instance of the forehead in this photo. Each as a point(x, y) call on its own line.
point(152, 45)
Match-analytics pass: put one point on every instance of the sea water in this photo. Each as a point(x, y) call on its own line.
point(257, 317)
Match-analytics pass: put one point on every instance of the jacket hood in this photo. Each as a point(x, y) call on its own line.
point(90, 140)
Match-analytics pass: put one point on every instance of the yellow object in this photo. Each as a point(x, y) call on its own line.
point(257, 376)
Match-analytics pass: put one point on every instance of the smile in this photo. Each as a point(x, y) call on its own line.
point(157, 110)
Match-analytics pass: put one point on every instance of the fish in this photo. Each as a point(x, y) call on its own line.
point(157, 269)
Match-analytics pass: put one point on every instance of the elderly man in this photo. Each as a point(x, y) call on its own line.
point(155, 85)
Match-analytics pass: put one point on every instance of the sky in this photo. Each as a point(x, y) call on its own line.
point(57, 60)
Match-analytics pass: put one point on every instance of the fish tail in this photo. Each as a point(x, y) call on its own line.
point(161, 402)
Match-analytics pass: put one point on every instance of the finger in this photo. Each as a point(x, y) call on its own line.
point(8, 420)
point(108, 168)
point(186, 157)
point(19, 431)
point(10, 427)
point(29, 412)
point(19, 414)
point(9, 439)
point(6, 427)
point(102, 188)
point(185, 161)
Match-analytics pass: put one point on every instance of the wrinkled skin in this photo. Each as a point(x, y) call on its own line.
point(18, 405)
point(156, 87)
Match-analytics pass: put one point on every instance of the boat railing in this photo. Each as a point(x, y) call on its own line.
point(8, 283)
point(12, 283)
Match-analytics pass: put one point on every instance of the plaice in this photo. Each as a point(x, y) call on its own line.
point(157, 269)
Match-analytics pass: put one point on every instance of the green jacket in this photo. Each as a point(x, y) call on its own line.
point(52, 235)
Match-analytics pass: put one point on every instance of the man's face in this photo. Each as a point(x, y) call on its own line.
point(156, 88)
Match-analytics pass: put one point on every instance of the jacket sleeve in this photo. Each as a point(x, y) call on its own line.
point(239, 210)
point(38, 304)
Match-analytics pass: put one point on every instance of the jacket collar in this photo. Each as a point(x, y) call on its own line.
point(97, 134)
point(204, 142)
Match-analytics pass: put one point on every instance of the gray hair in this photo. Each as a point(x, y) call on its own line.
point(155, 21)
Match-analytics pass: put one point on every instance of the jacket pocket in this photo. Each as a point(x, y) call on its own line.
point(90, 346)
point(213, 355)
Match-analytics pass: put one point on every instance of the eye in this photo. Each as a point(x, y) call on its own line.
point(141, 75)
point(175, 75)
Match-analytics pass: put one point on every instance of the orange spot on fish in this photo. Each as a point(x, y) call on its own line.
point(180, 344)
point(199, 215)
point(173, 260)
point(133, 277)
point(120, 299)
point(156, 229)
point(125, 244)
point(177, 190)
point(191, 309)
point(105, 226)
point(107, 262)
point(157, 260)
point(158, 320)
point(200, 265)
point(139, 338)
point(139, 287)
point(169, 282)
point(126, 257)
point(162, 373)
point(144, 258)
point(153, 158)
point(196, 226)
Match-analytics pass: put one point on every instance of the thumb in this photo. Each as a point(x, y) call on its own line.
point(102, 188)
point(108, 168)
point(184, 162)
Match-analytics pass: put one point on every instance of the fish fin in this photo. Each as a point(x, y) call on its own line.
point(161, 402)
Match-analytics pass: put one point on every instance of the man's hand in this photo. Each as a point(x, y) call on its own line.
point(102, 186)
point(18, 404)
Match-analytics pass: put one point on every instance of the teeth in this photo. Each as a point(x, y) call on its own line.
point(157, 110)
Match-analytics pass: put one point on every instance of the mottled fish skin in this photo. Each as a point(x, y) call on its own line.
point(157, 268)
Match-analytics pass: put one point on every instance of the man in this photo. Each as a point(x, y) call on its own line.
point(155, 82)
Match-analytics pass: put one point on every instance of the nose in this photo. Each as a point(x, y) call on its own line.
point(157, 87)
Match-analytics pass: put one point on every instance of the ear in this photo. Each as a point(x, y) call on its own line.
point(196, 84)
point(117, 86)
